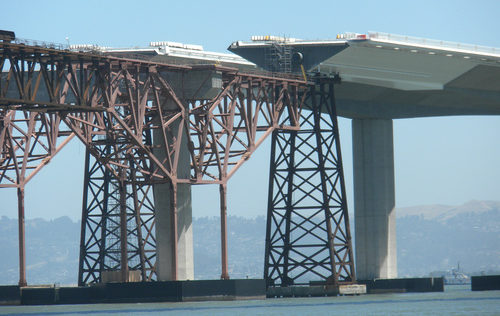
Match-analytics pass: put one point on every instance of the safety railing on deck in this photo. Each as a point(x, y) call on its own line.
point(468, 48)
point(103, 51)
point(44, 44)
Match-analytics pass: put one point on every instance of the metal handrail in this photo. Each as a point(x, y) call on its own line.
point(96, 50)
point(44, 44)
point(434, 43)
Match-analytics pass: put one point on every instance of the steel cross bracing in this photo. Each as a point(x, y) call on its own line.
point(308, 236)
point(226, 130)
point(100, 243)
point(115, 106)
point(28, 141)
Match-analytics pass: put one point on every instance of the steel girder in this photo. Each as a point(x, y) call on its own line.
point(308, 236)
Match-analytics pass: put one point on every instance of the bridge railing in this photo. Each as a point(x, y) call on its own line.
point(30, 42)
point(466, 48)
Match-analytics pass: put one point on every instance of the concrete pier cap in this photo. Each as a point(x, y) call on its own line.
point(201, 84)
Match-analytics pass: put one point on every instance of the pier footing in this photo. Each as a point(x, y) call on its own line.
point(403, 285)
point(135, 292)
point(485, 283)
point(316, 290)
point(10, 295)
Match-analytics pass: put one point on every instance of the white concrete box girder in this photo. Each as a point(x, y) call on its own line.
point(365, 63)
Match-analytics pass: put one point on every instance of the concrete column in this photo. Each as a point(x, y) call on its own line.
point(193, 85)
point(374, 199)
point(164, 243)
point(22, 236)
point(163, 229)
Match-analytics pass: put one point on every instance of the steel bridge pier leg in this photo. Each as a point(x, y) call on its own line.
point(223, 230)
point(123, 228)
point(22, 247)
point(306, 181)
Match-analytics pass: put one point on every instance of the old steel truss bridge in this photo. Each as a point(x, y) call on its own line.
point(132, 116)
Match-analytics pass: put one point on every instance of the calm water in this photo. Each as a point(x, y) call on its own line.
point(456, 300)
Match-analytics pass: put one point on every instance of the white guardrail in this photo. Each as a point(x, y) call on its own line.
point(437, 44)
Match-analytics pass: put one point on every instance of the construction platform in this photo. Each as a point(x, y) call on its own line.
point(134, 292)
point(316, 289)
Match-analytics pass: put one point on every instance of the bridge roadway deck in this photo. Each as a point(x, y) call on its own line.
point(381, 79)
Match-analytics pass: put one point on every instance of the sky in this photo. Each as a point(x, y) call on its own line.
point(446, 160)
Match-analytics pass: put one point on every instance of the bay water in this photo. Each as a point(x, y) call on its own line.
point(455, 300)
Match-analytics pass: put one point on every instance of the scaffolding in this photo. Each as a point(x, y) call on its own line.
point(278, 57)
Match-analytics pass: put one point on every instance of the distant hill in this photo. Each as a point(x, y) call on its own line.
point(443, 213)
point(429, 238)
point(52, 249)
point(246, 244)
point(438, 237)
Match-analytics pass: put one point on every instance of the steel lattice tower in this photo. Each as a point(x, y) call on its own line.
point(105, 201)
point(308, 236)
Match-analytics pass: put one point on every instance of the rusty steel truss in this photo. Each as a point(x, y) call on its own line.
point(223, 131)
point(308, 236)
point(131, 115)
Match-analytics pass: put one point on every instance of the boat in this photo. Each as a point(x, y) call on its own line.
point(456, 277)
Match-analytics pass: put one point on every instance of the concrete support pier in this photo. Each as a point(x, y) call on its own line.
point(374, 199)
point(175, 248)
point(164, 242)
point(175, 259)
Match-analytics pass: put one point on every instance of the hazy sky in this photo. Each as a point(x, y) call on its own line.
point(447, 160)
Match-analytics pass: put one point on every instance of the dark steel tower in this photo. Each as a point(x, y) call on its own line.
point(308, 236)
